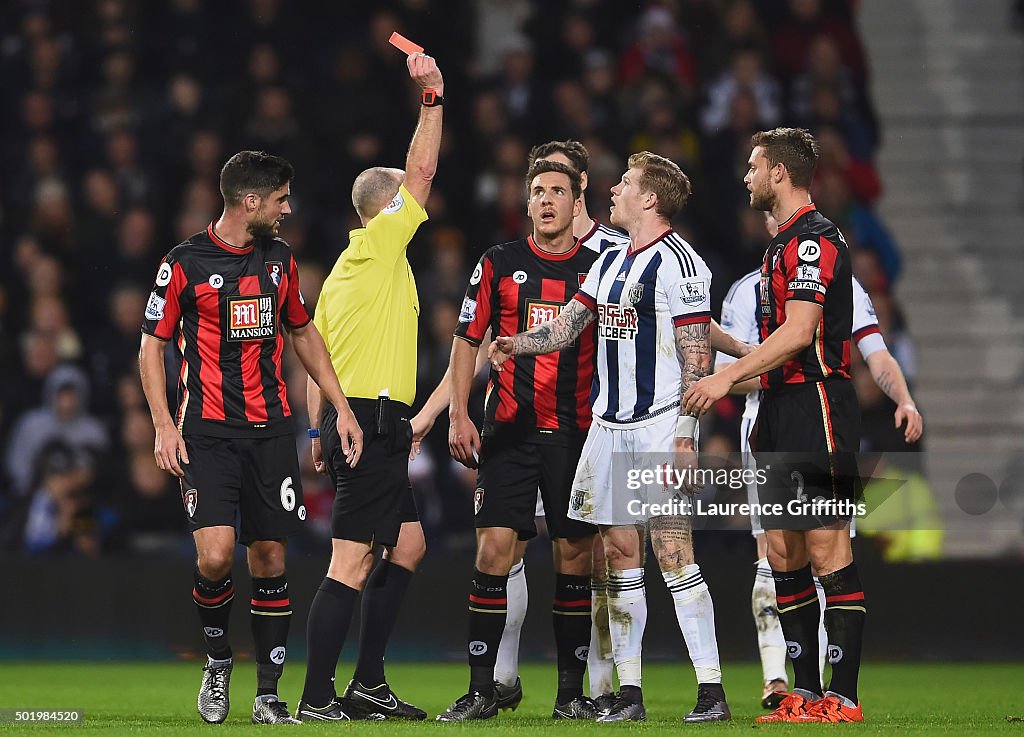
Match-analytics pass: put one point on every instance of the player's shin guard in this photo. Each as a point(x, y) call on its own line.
point(627, 617)
point(600, 664)
point(271, 615)
point(213, 602)
point(506, 668)
point(488, 602)
point(798, 612)
point(571, 618)
point(845, 611)
point(695, 613)
point(770, 640)
point(330, 615)
point(382, 600)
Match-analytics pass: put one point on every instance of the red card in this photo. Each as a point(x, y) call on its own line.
point(403, 44)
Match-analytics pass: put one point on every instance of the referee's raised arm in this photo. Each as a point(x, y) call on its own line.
point(421, 161)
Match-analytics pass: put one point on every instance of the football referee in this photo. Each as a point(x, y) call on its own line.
point(368, 312)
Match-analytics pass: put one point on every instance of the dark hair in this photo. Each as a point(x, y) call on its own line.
point(663, 177)
point(794, 148)
point(575, 151)
point(543, 166)
point(253, 171)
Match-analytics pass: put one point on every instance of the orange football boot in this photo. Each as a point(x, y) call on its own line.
point(830, 710)
point(792, 708)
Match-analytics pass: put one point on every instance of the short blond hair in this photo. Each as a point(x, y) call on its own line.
point(663, 177)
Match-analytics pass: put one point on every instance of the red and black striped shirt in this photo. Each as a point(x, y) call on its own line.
point(809, 260)
point(514, 287)
point(225, 307)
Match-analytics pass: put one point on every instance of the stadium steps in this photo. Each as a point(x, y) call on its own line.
point(947, 82)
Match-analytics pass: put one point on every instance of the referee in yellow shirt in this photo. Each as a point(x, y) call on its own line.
point(367, 314)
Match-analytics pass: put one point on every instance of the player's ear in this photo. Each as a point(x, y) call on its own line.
point(251, 202)
point(583, 181)
point(577, 206)
point(650, 201)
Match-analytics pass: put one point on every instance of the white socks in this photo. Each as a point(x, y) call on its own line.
point(600, 663)
point(696, 615)
point(627, 608)
point(770, 640)
point(506, 669)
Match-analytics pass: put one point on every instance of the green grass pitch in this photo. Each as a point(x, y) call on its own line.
point(159, 699)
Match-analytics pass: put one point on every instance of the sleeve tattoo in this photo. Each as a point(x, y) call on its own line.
point(556, 334)
point(693, 346)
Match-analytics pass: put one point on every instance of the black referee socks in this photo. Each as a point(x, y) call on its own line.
point(213, 602)
point(845, 610)
point(797, 602)
point(571, 617)
point(271, 615)
point(488, 608)
point(382, 599)
point(330, 615)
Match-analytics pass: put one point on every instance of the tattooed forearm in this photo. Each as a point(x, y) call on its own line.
point(556, 334)
point(885, 383)
point(672, 540)
point(693, 346)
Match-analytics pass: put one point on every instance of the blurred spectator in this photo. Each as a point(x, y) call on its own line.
point(859, 224)
point(63, 416)
point(861, 177)
point(57, 517)
point(808, 19)
point(746, 72)
point(661, 48)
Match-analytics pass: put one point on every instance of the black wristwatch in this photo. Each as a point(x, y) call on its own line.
point(430, 98)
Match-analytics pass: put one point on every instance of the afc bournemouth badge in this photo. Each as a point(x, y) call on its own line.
point(190, 499)
point(274, 268)
point(478, 501)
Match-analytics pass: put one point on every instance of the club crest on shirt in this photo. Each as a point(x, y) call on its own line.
point(274, 268)
point(190, 498)
point(252, 317)
point(635, 293)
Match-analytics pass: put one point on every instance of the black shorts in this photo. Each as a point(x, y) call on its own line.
point(373, 499)
point(507, 483)
point(254, 479)
point(807, 437)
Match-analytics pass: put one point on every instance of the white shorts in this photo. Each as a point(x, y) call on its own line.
point(600, 492)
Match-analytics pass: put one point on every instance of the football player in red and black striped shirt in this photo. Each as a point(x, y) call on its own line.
point(537, 413)
point(225, 297)
point(808, 412)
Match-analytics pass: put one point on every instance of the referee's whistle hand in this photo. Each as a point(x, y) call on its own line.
point(702, 396)
point(499, 351)
point(169, 450)
point(351, 437)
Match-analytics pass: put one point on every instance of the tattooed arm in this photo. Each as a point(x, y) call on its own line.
point(889, 377)
point(693, 348)
point(554, 335)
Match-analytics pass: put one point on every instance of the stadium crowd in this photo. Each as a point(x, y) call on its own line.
point(121, 113)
